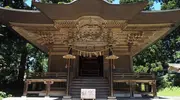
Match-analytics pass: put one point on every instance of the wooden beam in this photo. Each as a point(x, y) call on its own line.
point(31, 25)
point(42, 80)
point(147, 27)
point(75, 53)
point(26, 35)
point(157, 35)
point(26, 85)
point(150, 25)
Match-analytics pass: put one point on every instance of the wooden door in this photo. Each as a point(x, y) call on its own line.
point(91, 66)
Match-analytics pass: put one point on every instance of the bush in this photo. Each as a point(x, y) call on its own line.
point(168, 80)
point(4, 95)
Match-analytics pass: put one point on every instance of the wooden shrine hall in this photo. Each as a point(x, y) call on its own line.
point(90, 44)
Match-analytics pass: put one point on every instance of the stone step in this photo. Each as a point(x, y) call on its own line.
point(100, 79)
point(100, 84)
point(97, 96)
point(89, 85)
point(57, 88)
point(96, 99)
point(79, 93)
point(98, 90)
point(90, 81)
point(102, 93)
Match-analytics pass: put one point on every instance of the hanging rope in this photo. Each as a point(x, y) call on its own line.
point(89, 53)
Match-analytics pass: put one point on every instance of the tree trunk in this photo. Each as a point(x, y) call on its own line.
point(22, 66)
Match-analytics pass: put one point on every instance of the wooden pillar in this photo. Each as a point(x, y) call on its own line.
point(111, 78)
point(33, 86)
point(48, 87)
point(131, 89)
point(26, 84)
point(131, 63)
point(154, 88)
point(68, 77)
point(49, 62)
point(146, 87)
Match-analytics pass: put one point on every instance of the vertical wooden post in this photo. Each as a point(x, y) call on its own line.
point(131, 89)
point(33, 86)
point(111, 77)
point(154, 88)
point(49, 62)
point(68, 77)
point(48, 87)
point(26, 88)
point(131, 63)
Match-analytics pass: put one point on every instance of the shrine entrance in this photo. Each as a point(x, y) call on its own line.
point(91, 66)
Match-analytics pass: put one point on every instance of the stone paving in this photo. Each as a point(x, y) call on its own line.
point(55, 98)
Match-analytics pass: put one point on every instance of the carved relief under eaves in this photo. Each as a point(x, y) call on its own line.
point(90, 31)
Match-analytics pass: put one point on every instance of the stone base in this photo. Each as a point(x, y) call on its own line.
point(66, 98)
point(46, 97)
point(111, 98)
point(23, 96)
point(156, 97)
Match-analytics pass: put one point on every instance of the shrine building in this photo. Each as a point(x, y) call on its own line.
point(90, 45)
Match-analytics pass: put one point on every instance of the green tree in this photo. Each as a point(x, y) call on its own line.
point(110, 1)
point(156, 57)
point(170, 4)
point(16, 53)
point(149, 6)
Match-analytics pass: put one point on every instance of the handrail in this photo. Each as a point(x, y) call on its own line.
point(133, 75)
point(47, 75)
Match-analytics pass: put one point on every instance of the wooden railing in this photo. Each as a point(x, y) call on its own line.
point(131, 82)
point(48, 75)
point(133, 76)
point(51, 80)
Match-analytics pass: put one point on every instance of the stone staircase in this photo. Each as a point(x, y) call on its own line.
point(100, 84)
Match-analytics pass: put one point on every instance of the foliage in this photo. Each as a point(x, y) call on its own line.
point(56, 1)
point(169, 91)
point(155, 58)
point(14, 50)
point(10, 56)
point(110, 1)
point(4, 95)
point(171, 4)
point(16, 55)
point(130, 1)
point(37, 60)
point(149, 6)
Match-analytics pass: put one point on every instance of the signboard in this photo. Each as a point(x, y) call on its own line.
point(88, 93)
